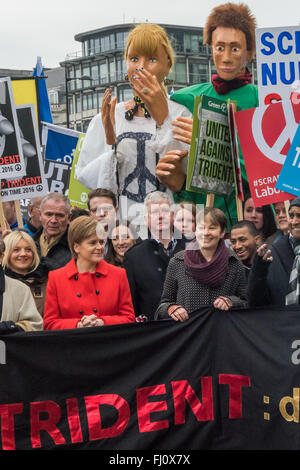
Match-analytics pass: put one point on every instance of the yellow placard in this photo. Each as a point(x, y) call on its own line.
point(25, 92)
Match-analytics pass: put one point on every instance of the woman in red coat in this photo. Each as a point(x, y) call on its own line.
point(87, 291)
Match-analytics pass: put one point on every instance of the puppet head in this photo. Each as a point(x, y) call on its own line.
point(230, 31)
point(146, 39)
point(234, 16)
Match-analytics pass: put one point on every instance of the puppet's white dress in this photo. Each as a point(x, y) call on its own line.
point(129, 169)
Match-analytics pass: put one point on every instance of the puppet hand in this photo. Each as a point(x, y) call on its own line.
point(147, 87)
point(108, 116)
point(169, 170)
point(265, 254)
point(183, 129)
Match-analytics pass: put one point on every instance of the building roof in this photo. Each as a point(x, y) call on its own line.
point(126, 26)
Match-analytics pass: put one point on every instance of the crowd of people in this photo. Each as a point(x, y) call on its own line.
point(146, 248)
point(91, 268)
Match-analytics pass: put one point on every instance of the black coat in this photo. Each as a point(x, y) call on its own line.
point(268, 281)
point(59, 254)
point(146, 266)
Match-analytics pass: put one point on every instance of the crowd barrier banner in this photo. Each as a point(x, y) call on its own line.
point(221, 380)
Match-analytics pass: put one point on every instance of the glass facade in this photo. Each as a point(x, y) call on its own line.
point(102, 65)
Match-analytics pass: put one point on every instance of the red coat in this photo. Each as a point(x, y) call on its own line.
point(70, 295)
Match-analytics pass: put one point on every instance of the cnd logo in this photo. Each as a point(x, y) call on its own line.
point(2, 352)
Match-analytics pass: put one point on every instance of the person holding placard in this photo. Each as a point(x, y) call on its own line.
point(275, 276)
point(230, 32)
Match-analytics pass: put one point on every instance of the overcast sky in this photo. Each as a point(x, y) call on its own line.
point(32, 28)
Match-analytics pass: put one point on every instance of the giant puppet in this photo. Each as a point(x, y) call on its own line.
point(125, 141)
point(230, 33)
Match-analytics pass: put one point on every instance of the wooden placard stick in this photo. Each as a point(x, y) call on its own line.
point(3, 223)
point(239, 208)
point(19, 214)
point(210, 200)
point(287, 206)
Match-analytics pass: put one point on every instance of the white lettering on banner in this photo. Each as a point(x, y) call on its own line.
point(269, 191)
point(288, 132)
point(296, 157)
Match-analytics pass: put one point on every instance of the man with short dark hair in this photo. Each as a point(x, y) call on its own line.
point(146, 262)
point(102, 206)
point(52, 237)
point(245, 239)
point(275, 276)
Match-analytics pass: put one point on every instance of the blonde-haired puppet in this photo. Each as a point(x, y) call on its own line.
point(230, 33)
point(125, 141)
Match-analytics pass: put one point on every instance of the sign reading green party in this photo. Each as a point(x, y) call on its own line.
point(210, 165)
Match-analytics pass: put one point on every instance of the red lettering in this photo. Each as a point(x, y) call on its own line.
point(144, 408)
point(235, 382)
point(7, 413)
point(96, 430)
point(183, 392)
point(49, 425)
point(74, 420)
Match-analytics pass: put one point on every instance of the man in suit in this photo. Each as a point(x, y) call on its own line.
point(146, 263)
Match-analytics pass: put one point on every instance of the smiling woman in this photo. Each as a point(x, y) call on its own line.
point(21, 261)
point(87, 291)
point(206, 273)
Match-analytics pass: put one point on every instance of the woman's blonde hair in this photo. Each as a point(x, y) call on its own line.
point(145, 39)
point(11, 240)
point(81, 228)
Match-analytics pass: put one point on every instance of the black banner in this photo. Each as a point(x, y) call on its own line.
point(221, 380)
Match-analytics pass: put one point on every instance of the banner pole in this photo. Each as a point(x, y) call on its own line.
point(19, 214)
point(287, 206)
point(210, 200)
point(239, 208)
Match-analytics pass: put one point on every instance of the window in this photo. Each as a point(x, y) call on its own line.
point(100, 98)
point(178, 73)
point(91, 46)
point(103, 72)
point(78, 103)
point(112, 70)
point(125, 94)
point(198, 72)
point(97, 46)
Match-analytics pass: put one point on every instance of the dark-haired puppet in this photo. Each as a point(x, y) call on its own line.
point(230, 33)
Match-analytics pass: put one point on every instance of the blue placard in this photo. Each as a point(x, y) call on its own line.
point(289, 178)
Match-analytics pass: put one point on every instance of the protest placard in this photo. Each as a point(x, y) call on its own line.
point(78, 194)
point(266, 133)
point(289, 178)
point(278, 66)
point(33, 183)
point(210, 165)
point(59, 142)
point(11, 153)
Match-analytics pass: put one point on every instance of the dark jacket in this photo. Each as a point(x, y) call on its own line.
point(146, 265)
point(181, 288)
point(59, 254)
point(268, 281)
